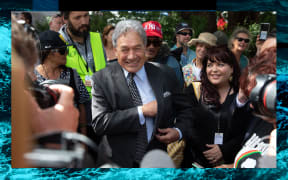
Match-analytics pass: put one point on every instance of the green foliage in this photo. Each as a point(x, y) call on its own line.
point(268, 17)
point(254, 30)
point(168, 21)
point(100, 19)
point(42, 25)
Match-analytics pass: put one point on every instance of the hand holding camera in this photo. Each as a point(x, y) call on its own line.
point(62, 116)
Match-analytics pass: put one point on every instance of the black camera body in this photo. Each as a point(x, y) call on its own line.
point(44, 96)
point(264, 95)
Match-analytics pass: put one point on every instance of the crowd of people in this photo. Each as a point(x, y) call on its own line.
point(142, 103)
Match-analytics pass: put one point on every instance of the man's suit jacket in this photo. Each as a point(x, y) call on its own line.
point(114, 114)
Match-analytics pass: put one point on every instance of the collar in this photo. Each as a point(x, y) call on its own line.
point(141, 74)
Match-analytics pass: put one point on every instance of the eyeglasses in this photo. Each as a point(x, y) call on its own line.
point(62, 51)
point(155, 42)
point(243, 39)
point(185, 33)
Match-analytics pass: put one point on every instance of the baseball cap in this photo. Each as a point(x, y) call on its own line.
point(153, 28)
point(181, 26)
point(51, 40)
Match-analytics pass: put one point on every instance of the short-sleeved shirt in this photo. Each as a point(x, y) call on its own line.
point(191, 73)
point(186, 59)
point(244, 61)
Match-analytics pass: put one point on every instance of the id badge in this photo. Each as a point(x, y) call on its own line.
point(88, 80)
point(218, 138)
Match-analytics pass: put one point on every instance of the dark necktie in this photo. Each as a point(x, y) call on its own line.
point(141, 139)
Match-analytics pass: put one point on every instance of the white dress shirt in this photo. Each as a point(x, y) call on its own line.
point(147, 95)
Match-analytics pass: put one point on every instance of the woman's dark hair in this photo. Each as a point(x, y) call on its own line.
point(105, 32)
point(209, 91)
point(43, 55)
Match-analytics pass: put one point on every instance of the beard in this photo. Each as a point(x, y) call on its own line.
point(77, 32)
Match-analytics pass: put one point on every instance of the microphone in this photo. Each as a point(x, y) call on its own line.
point(157, 159)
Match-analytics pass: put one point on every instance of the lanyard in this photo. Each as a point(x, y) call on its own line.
point(219, 114)
point(75, 46)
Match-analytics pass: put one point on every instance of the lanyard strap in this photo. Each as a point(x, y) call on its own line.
point(75, 46)
point(219, 114)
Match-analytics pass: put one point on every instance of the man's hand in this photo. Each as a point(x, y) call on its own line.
point(214, 154)
point(63, 116)
point(167, 135)
point(150, 109)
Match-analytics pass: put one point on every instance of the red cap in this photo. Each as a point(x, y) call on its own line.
point(152, 28)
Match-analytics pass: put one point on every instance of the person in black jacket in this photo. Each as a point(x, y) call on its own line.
point(216, 135)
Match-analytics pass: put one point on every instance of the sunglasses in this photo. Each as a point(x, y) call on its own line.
point(243, 39)
point(156, 43)
point(62, 51)
point(185, 33)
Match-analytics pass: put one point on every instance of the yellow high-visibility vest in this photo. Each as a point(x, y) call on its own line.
point(76, 61)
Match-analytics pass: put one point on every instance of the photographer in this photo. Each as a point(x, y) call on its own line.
point(28, 119)
point(259, 144)
point(44, 134)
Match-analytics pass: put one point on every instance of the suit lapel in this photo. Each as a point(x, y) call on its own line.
point(154, 78)
point(121, 86)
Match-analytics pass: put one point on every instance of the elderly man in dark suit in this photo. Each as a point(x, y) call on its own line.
point(137, 105)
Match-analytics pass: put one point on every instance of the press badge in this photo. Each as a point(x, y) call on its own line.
point(88, 80)
point(218, 139)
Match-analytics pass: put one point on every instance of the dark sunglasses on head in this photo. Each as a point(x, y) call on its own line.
point(185, 33)
point(155, 42)
point(62, 51)
point(243, 39)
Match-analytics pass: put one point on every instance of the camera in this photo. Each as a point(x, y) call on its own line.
point(44, 96)
point(264, 29)
point(63, 150)
point(264, 95)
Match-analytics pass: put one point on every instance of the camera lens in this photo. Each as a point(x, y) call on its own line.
point(264, 94)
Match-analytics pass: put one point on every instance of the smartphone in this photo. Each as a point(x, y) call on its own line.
point(264, 29)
